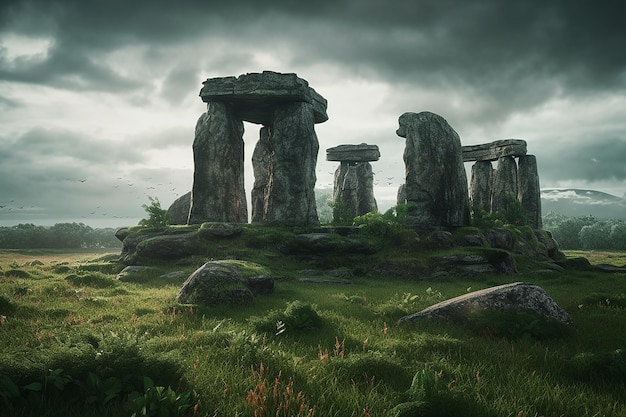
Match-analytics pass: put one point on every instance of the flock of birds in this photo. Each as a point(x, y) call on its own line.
point(123, 189)
point(108, 206)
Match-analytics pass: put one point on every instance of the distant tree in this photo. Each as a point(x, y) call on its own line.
point(618, 235)
point(566, 230)
point(157, 216)
point(595, 236)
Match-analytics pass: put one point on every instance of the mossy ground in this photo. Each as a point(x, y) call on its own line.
point(334, 349)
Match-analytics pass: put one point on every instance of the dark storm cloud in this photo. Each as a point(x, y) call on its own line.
point(496, 48)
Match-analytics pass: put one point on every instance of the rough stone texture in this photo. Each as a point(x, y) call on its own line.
point(260, 165)
point(131, 270)
point(500, 238)
point(218, 192)
point(290, 196)
point(354, 188)
point(516, 296)
point(477, 264)
point(255, 96)
point(528, 190)
point(494, 150)
point(353, 153)
point(436, 183)
point(504, 184)
point(481, 184)
point(178, 212)
point(320, 243)
point(222, 282)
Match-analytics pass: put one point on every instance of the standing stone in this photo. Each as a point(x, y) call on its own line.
point(436, 183)
point(504, 184)
point(354, 188)
point(218, 192)
point(365, 179)
point(481, 184)
point(290, 198)
point(260, 166)
point(354, 179)
point(528, 191)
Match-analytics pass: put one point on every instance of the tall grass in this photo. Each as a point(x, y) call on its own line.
point(308, 349)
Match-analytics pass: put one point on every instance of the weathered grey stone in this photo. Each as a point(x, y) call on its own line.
point(354, 188)
point(122, 233)
point(500, 238)
point(494, 150)
point(476, 264)
point(178, 211)
point(223, 282)
point(436, 183)
point(172, 275)
point(516, 296)
point(480, 185)
point(261, 159)
point(353, 153)
point(528, 190)
point(218, 192)
point(290, 196)
point(504, 184)
point(131, 270)
point(320, 243)
point(255, 96)
point(168, 247)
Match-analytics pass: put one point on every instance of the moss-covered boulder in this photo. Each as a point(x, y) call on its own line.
point(226, 282)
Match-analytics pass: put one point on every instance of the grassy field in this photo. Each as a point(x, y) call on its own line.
point(76, 341)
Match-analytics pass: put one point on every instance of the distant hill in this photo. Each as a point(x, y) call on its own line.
point(575, 202)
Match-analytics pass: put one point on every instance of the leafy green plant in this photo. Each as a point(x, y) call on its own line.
point(157, 216)
point(390, 226)
point(342, 215)
point(160, 401)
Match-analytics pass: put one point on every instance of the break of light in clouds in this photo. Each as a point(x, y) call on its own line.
point(99, 99)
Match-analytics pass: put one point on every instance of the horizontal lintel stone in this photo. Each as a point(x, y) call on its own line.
point(255, 95)
point(353, 153)
point(494, 150)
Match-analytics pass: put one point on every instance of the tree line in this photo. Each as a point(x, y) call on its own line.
point(59, 236)
point(586, 232)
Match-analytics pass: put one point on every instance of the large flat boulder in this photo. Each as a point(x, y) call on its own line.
point(494, 150)
point(517, 296)
point(255, 95)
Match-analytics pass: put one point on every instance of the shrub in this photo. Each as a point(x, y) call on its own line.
point(157, 216)
point(297, 317)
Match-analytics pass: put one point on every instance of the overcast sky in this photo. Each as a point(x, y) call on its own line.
point(99, 99)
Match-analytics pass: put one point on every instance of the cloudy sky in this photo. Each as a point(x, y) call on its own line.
point(99, 99)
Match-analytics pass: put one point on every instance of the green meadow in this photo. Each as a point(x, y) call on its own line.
point(77, 341)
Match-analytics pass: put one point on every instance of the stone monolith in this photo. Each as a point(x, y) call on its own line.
point(481, 184)
point(528, 190)
point(436, 183)
point(218, 192)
